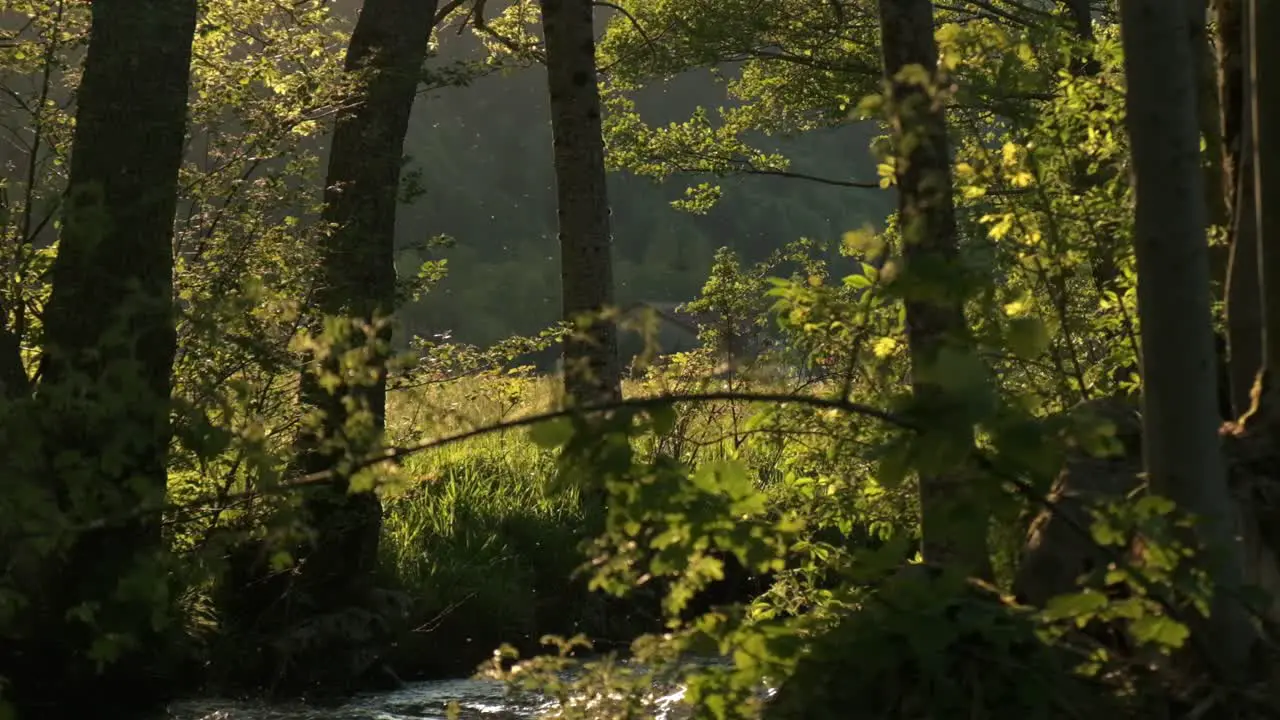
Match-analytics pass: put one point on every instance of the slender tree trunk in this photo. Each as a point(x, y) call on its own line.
point(592, 372)
point(1181, 450)
point(1232, 36)
point(1243, 293)
point(1264, 89)
point(1209, 120)
point(358, 281)
point(953, 525)
point(1244, 289)
point(109, 348)
point(14, 382)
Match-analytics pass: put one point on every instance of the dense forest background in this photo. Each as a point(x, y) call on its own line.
point(483, 154)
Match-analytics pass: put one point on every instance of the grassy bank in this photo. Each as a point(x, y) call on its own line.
point(479, 541)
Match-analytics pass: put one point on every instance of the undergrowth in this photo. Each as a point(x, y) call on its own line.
point(483, 542)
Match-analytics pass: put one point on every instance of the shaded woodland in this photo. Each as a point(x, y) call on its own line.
point(821, 358)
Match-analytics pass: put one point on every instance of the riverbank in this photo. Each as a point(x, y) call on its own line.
point(479, 547)
point(475, 699)
point(428, 700)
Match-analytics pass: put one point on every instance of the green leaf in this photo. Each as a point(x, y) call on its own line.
point(280, 560)
point(725, 476)
point(1075, 605)
point(959, 371)
point(857, 282)
point(1149, 506)
point(1105, 534)
point(663, 418)
point(864, 242)
point(1161, 630)
point(551, 434)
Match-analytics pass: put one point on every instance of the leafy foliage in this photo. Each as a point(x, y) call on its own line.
point(762, 498)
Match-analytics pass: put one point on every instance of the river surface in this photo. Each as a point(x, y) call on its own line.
point(477, 699)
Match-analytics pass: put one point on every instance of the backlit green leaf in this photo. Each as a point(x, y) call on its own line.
point(552, 433)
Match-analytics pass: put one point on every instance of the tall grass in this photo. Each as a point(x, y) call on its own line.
point(478, 539)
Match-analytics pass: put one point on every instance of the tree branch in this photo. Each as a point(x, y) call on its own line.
point(443, 12)
point(811, 178)
point(399, 453)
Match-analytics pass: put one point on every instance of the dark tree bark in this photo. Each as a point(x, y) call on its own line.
point(14, 382)
point(1181, 450)
point(1209, 120)
point(953, 525)
point(1231, 38)
point(109, 348)
point(593, 374)
point(358, 282)
point(1243, 307)
point(1261, 161)
point(1264, 107)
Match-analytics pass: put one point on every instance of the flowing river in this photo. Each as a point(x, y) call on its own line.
point(477, 699)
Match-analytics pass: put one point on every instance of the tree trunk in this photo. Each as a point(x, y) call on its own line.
point(14, 382)
point(1264, 89)
point(1231, 41)
point(1209, 120)
point(953, 525)
point(593, 374)
point(358, 282)
point(1181, 449)
point(1243, 294)
point(109, 348)
point(1244, 291)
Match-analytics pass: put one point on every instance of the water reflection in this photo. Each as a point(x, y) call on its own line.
point(478, 700)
